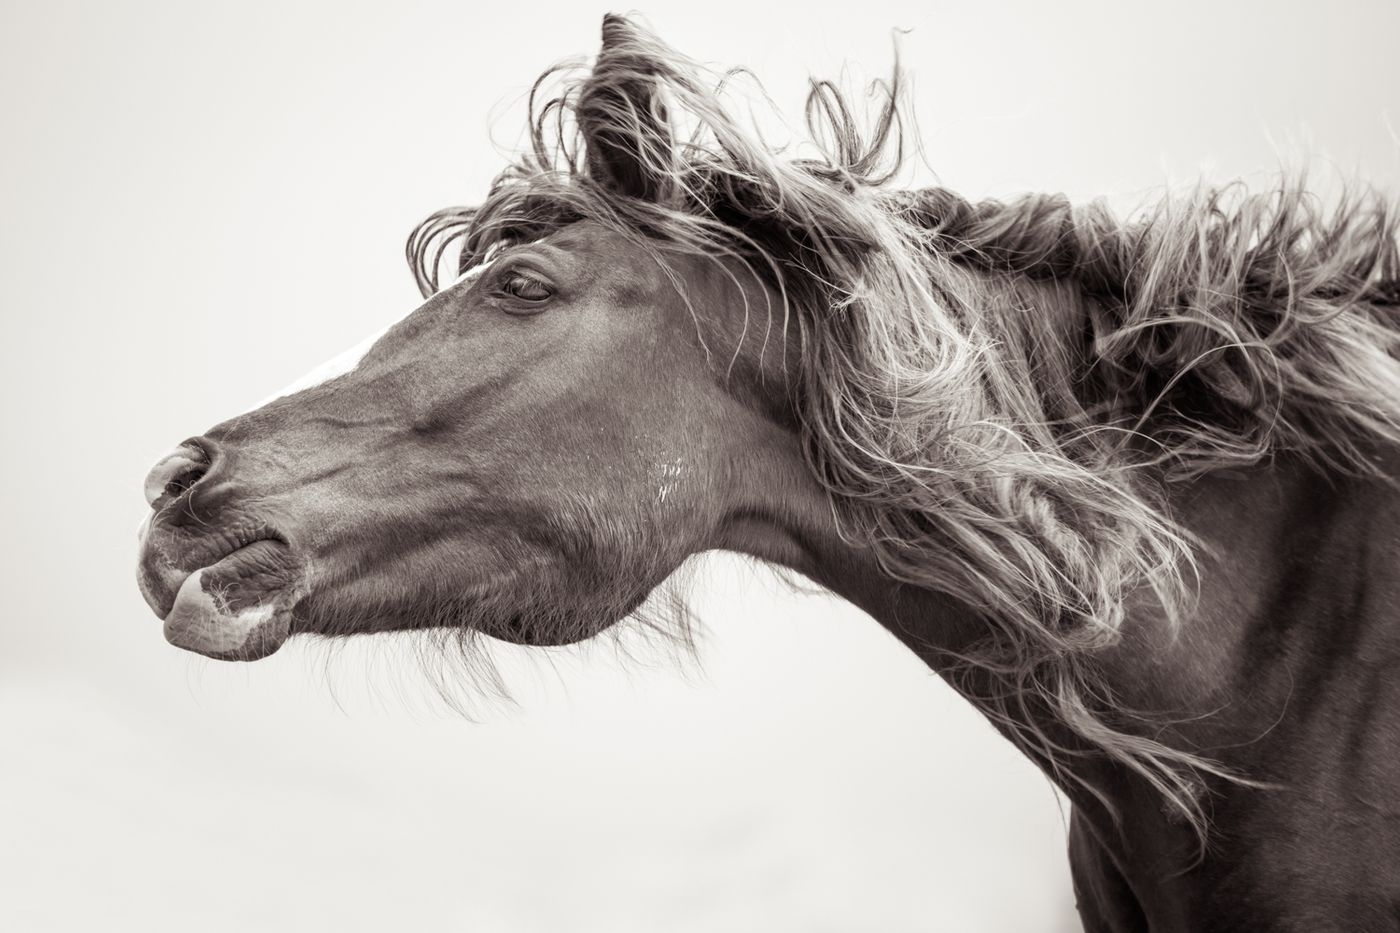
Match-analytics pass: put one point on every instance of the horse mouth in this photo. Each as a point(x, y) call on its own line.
point(237, 608)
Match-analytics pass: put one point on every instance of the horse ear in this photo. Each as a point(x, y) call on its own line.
point(626, 132)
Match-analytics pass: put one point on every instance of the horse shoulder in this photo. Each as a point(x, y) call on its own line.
point(1301, 595)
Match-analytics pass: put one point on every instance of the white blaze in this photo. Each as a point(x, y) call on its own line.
point(335, 366)
point(350, 360)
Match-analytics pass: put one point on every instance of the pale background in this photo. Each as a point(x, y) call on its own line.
point(201, 200)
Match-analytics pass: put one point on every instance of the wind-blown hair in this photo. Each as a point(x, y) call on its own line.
point(995, 395)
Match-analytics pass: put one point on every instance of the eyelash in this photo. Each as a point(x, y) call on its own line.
point(534, 289)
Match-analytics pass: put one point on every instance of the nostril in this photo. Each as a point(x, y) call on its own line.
point(176, 473)
point(182, 481)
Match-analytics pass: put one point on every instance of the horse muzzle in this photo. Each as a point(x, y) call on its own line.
point(223, 581)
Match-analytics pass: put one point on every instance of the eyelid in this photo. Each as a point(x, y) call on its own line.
point(527, 271)
point(522, 266)
point(524, 287)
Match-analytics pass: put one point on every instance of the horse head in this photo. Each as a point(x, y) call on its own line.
point(528, 454)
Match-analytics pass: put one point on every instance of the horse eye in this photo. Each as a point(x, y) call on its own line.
point(526, 288)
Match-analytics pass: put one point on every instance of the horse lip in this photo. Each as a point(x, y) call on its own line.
point(178, 577)
point(234, 612)
point(160, 579)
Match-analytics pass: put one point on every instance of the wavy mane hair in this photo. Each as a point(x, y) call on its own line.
point(996, 395)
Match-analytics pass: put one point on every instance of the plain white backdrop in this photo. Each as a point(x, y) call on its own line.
point(202, 200)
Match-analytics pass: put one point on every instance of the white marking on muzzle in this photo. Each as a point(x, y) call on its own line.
point(200, 622)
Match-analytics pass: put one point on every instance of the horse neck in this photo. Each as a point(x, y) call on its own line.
point(1294, 571)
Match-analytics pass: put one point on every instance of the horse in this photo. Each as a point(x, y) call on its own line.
point(1127, 483)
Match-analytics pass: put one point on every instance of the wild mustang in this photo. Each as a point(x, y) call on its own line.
point(1128, 484)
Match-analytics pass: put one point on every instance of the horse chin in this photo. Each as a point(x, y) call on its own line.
point(520, 632)
point(238, 609)
point(554, 629)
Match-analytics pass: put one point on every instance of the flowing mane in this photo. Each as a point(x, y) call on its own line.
point(997, 396)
